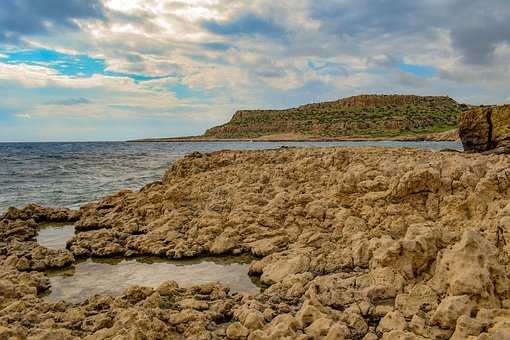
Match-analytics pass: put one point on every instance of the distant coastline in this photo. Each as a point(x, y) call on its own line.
point(450, 135)
point(357, 118)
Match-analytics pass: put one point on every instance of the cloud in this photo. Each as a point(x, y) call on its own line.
point(216, 46)
point(33, 17)
point(245, 24)
point(70, 102)
point(23, 115)
point(200, 60)
point(476, 27)
point(479, 27)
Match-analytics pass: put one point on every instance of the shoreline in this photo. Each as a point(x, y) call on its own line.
point(451, 135)
point(263, 140)
point(351, 243)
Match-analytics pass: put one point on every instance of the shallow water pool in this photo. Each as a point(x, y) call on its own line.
point(113, 276)
point(55, 235)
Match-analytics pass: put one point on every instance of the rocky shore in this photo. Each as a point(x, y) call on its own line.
point(445, 136)
point(352, 243)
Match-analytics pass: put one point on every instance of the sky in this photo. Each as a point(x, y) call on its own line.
point(86, 70)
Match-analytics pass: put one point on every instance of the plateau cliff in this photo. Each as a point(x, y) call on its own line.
point(364, 115)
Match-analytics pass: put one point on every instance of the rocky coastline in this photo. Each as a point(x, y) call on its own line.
point(445, 136)
point(352, 243)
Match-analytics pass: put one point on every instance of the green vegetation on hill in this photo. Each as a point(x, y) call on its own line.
point(366, 115)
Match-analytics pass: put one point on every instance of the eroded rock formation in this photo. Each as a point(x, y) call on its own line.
point(352, 244)
point(485, 128)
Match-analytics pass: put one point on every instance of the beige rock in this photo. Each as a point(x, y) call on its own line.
point(451, 308)
point(466, 327)
point(420, 298)
point(268, 246)
point(423, 179)
point(393, 321)
point(370, 336)
point(470, 267)
point(277, 271)
point(284, 325)
point(338, 331)
point(308, 314)
point(345, 237)
point(401, 335)
point(254, 320)
point(237, 331)
point(222, 244)
point(319, 327)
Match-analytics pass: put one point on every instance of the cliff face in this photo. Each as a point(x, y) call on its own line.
point(370, 115)
point(485, 128)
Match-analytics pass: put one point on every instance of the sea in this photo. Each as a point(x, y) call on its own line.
point(72, 174)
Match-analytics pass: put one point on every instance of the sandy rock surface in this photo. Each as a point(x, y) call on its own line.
point(352, 244)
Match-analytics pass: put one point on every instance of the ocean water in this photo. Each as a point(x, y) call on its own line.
point(71, 174)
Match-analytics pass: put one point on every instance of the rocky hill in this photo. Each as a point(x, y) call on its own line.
point(364, 115)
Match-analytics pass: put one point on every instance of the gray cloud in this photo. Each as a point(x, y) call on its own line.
point(35, 17)
point(476, 27)
point(70, 102)
point(246, 24)
point(216, 46)
point(366, 17)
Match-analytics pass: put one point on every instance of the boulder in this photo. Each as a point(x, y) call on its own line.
point(450, 309)
point(485, 128)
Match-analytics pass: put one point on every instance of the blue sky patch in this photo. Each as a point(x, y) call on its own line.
point(68, 64)
point(418, 70)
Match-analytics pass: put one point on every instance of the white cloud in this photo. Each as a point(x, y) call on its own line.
point(23, 115)
point(40, 76)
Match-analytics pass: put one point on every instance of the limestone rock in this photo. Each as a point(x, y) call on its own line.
point(237, 331)
point(277, 271)
point(451, 308)
point(351, 243)
point(393, 321)
point(485, 128)
point(470, 267)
